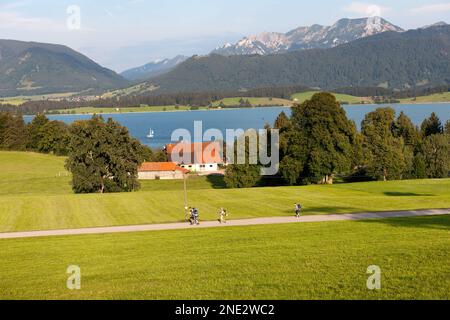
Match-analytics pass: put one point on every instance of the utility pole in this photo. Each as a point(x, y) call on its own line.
point(186, 208)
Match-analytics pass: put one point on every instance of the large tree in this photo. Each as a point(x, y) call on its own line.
point(282, 122)
point(432, 125)
point(245, 174)
point(383, 151)
point(419, 167)
point(404, 128)
point(54, 138)
point(103, 157)
point(242, 175)
point(437, 155)
point(320, 141)
point(447, 127)
point(34, 131)
point(13, 132)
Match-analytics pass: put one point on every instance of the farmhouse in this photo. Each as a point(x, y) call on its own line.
point(161, 171)
point(199, 157)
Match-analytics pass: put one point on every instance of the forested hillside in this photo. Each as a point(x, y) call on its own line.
point(28, 68)
point(390, 60)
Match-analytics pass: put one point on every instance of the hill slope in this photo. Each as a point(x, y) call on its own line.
point(28, 68)
point(391, 59)
point(313, 37)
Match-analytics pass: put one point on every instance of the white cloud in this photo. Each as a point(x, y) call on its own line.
point(366, 9)
point(18, 21)
point(432, 8)
point(14, 5)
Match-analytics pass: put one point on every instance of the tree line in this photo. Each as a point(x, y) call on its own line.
point(319, 143)
point(206, 98)
point(101, 155)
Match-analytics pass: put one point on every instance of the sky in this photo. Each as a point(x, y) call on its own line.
point(120, 34)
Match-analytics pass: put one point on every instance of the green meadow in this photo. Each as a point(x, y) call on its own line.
point(343, 98)
point(35, 194)
point(301, 261)
point(228, 102)
point(434, 98)
point(18, 100)
point(253, 101)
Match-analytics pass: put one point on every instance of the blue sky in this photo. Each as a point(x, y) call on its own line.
point(125, 33)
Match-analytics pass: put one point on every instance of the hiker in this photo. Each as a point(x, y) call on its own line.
point(298, 210)
point(223, 215)
point(194, 216)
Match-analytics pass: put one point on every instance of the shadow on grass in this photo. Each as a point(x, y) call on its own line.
point(430, 222)
point(217, 181)
point(408, 194)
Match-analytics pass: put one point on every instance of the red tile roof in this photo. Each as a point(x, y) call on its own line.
point(199, 152)
point(160, 166)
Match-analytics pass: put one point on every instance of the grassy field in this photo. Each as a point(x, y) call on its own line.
point(301, 97)
point(434, 98)
point(254, 102)
point(227, 102)
point(22, 99)
point(35, 194)
point(301, 261)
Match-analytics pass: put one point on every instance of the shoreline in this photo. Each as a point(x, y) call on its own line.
point(144, 112)
point(238, 108)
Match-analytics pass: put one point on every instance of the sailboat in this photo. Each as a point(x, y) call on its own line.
point(151, 134)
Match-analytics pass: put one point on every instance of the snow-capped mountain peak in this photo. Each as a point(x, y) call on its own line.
point(315, 36)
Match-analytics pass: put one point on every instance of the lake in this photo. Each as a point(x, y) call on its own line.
point(164, 123)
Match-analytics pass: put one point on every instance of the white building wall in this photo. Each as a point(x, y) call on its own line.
point(160, 175)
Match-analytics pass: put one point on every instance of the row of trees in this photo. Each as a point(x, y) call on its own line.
point(102, 155)
point(205, 98)
point(319, 142)
point(41, 135)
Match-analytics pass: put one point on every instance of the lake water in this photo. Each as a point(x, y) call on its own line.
point(164, 123)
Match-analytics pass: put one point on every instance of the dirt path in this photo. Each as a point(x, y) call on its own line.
point(215, 224)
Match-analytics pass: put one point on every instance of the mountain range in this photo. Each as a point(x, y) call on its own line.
point(394, 60)
point(153, 69)
point(30, 68)
point(302, 38)
point(359, 52)
point(313, 37)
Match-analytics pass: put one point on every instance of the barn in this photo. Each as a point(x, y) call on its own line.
point(161, 171)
